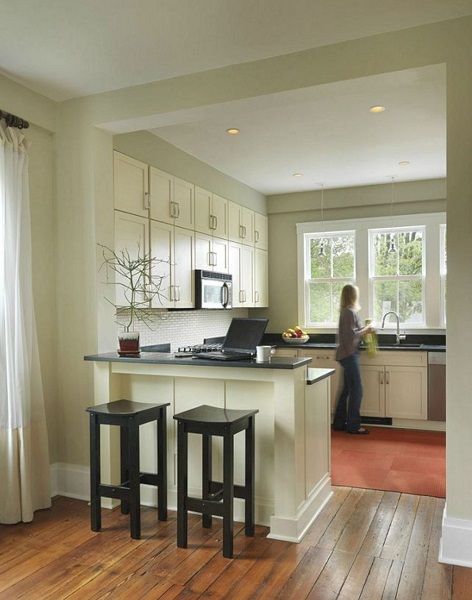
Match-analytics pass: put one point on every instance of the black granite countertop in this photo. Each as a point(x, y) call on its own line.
point(161, 358)
point(413, 343)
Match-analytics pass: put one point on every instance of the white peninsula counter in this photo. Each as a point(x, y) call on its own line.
point(292, 427)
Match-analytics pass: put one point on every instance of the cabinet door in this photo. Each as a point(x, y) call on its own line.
point(373, 385)
point(247, 275)
point(235, 270)
point(261, 236)
point(261, 281)
point(132, 236)
point(203, 202)
point(183, 207)
point(183, 265)
point(219, 210)
point(220, 258)
point(247, 226)
point(162, 242)
point(203, 248)
point(406, 392)
point(130, 180)
point(161, 195)
point(234, 222)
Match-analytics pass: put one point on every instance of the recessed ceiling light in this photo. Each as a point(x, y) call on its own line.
point(232, 131)
point(404, 163)
point(377, 109)
point(297, 174)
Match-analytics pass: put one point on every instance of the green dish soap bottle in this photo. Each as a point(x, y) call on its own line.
point(371, 341)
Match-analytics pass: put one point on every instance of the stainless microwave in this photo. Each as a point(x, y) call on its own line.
point(213, 290)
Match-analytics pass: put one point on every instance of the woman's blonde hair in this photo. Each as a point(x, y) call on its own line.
point(350, 297)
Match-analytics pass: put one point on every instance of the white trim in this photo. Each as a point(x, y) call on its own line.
point(456, 542)
point(289, 529)
point(71, 481)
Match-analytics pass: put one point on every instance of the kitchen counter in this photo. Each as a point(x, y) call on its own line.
point(161, 358)
point(292, 428)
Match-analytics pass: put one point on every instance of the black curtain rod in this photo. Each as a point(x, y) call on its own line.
point(13, 120)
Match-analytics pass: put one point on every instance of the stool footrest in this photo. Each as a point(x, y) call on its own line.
point(120, 492)
point(205, 507)
point(216, 490)
point(149, 478)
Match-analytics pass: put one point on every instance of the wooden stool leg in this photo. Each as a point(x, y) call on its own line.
point(162, 465)
point(124, 465)
point(228, 494)
point(95, 502)
point(249, 504)
point(206, 474)
point(182, 485)
point(134, 480)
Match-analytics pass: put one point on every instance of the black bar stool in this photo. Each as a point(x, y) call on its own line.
point(128, 416)
point(217, 497)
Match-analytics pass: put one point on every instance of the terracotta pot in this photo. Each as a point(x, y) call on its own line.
point(129, 343)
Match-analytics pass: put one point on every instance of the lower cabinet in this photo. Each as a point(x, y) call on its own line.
point(395, 385)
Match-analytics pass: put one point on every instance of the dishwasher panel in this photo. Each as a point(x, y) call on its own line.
point(436, 386)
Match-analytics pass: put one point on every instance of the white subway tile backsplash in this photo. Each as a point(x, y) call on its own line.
point(182, 328)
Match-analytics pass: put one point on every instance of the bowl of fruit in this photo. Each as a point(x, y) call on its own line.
point(295, 336)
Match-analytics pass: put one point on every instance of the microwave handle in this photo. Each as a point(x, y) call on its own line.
point(224, 295)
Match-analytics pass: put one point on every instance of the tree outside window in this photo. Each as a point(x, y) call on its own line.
point(329, 266)
point(397, 273)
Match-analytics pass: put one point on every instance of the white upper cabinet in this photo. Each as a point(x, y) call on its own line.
point(174, 245)
point(132, 236)
point(203, 202)
point(171, 199)
point(183, 208)
point(219, 214)
point(241, 224)
point(261, 278)
point(261, 234)
point(241, 267)
point(211, 213)
point(130, 180)
point(211, 254)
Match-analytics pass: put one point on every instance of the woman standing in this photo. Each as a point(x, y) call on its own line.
point(348, 416)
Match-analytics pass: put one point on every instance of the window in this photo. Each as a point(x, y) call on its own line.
point(398, 262)
point(396, 274)
point(443, 270)
point(329, 265)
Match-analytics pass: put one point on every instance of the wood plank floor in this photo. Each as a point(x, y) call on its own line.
point(366, 544)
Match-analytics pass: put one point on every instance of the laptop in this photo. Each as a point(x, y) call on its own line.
point(240, 342)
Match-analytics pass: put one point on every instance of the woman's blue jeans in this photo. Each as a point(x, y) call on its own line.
point(348, 408)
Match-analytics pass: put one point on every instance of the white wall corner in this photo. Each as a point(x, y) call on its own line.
point(456, 541)
point(72, 481)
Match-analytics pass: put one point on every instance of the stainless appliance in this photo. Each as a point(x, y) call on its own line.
point(213, 290)
point(436, 386)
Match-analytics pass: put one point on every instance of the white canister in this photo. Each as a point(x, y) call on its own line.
point(263, 353)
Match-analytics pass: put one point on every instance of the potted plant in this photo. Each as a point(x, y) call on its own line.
point(137, 286)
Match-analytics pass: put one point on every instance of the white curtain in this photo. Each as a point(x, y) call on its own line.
point(24, 458)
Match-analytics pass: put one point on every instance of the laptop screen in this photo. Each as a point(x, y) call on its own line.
point(244, 335)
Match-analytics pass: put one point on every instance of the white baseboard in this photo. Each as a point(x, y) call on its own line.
point(72, 481)
point(456, 541)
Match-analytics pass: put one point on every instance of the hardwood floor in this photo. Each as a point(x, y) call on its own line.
point(365, 544)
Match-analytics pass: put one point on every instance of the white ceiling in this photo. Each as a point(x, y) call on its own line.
point(68, 48)
point(326, 132)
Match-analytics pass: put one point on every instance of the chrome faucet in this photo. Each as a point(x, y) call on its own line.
point(399, 336)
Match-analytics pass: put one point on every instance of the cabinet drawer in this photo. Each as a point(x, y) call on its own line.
point(396, 358)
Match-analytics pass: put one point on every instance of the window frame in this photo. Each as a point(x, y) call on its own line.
point(431, 263)
point(373, 278)
point(309, 280)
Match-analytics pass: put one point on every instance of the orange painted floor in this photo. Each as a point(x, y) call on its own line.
point(397, 460)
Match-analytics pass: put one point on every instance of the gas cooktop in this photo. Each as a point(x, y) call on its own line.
point(200, 348)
